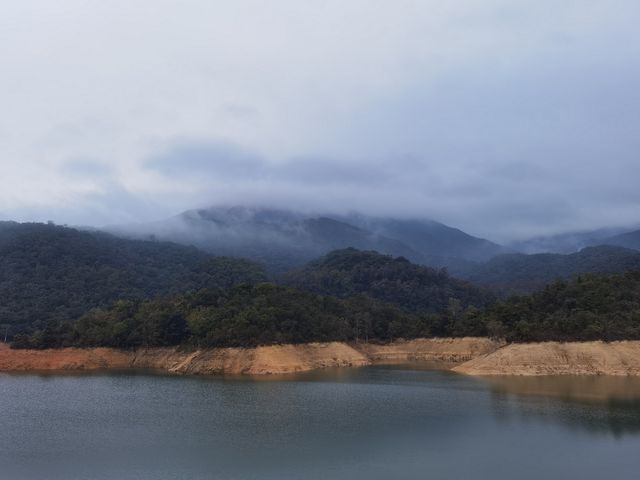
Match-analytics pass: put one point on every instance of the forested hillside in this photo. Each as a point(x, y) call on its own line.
point(349, 272)
point(520, 273)
point(52, 273)
point(244, 316)
point(590, 307)
point(63, 287)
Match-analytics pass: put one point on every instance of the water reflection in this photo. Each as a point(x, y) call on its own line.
point(597, 404)
point(372, 422)
point(597, 389)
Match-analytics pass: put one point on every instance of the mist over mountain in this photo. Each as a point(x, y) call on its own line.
point(431, 239)
point(627, 240)
point(284, 239)
point(569, 242)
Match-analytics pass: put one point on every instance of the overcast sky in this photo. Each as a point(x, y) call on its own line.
point(504, 118)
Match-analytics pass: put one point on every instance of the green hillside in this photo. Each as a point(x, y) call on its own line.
point(520, 273)
point(349, 272)
point(590, 307)
point(244, 316)
point(52, 273)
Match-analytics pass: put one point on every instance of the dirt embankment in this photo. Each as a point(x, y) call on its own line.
point(62, 359)
point(448, 351)
point(275, 359)
point(552, 358)
point(471, 356)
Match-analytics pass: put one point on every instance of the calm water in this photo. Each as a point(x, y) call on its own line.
point(370, 423)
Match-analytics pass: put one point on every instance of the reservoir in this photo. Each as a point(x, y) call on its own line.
point(370, 423)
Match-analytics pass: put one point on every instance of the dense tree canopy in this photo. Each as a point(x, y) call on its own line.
point(349, 272)
point(589, 307)
point(519, 273)
point(244, 316)
point(52, 273)
point(64, 287)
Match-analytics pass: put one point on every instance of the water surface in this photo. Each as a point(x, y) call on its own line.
point(370, 423)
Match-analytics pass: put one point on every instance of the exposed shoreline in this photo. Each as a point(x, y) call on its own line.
point(554, 358)
point(470, 356)
point(276, 359)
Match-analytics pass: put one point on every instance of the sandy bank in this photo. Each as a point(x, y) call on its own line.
point(275, 359)
point(62, 359)
point(471, 356)
point(552, 358)
point(450, 351)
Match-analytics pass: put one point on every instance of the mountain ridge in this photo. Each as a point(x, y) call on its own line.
point(285, 239)
point(523, 273)
point(572, 242)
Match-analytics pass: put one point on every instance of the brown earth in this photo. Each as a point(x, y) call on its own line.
point(448, 351)
point(552, 358)
point(471, 356)
point(62, 359)
point(591, 388)
point(275, 359)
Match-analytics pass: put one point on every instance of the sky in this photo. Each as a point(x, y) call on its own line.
point(506, 118)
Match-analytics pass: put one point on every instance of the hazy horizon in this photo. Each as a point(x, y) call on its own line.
point(506, 121)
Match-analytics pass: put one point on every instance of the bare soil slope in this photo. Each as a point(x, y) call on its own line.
point(552, 358)
point(276, 359)
point(450, 351)
point(62, 359)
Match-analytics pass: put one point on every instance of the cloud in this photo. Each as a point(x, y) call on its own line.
point(87, 168)
point(505, 119)
point(208, 160)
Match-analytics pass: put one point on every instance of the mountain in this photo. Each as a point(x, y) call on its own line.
point(346, 295)
point(520, 273)
point(431, 239)
point(574, 241)
point(566, 242)
point(50, 273)
point(286, 239)
point(349, 272)
point(627, 240)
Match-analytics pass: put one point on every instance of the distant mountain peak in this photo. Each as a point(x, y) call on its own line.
point(289, 238)
point(571, 242)
point(627, 240)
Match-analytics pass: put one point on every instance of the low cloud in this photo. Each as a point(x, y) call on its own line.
point(506, 120)
point(88, 168)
